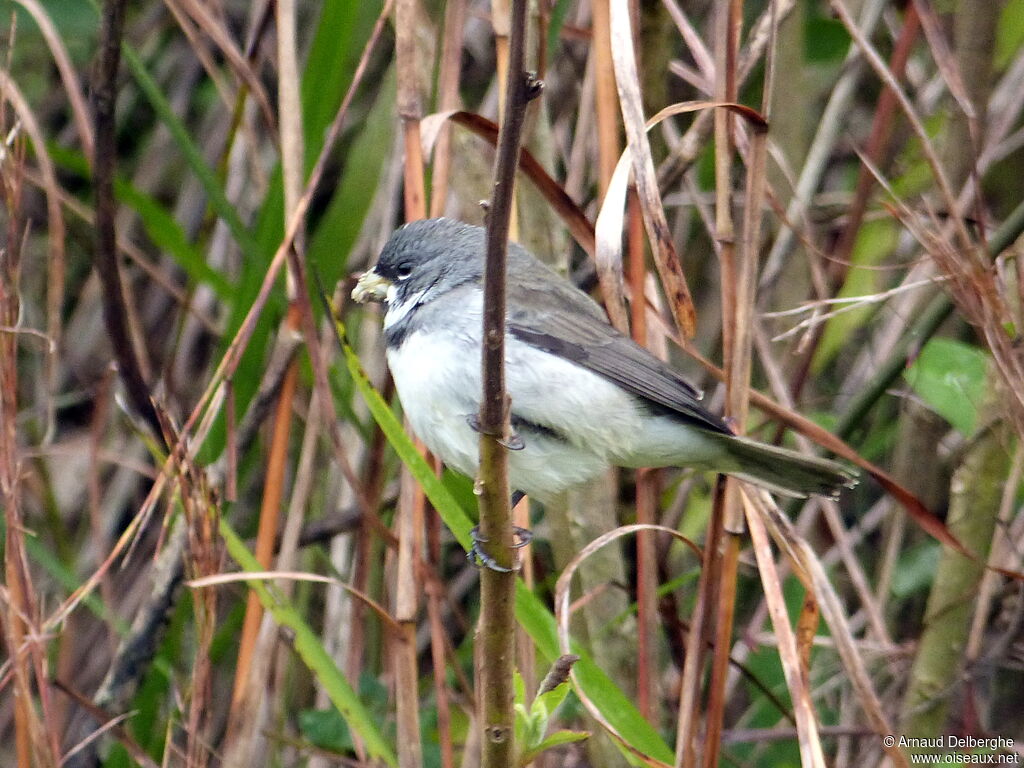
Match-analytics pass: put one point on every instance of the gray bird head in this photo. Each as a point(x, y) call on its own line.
point(433, 255)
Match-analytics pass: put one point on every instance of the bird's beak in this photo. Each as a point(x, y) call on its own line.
point(371, 287)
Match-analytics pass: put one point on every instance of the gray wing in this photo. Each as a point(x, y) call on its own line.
point(565, 322)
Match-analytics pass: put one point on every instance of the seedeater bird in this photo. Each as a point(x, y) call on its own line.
point(584, 396)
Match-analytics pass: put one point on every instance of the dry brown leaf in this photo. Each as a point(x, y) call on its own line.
point(575, 219)
point(793, 647)
point(658, 232)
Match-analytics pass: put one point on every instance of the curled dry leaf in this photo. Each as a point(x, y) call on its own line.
point(610, 219)
point(575, 219)
point(563, 613)
point(658, 232)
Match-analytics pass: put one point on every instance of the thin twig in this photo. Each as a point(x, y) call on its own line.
point(497, 617)
point(115, 309)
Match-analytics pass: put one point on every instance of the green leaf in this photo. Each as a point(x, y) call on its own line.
point(160, 225)
point(555, 23)
point(521, 725)
point(519, 685)
point(617, 708)
point(916, 569)
point(555, 739)
point(309, 648)
point(442, 500)
point(341, 30)
point(547, 702)
point(875, 241)
point(1009, 33)
point(339, 227)
point(825, 40)
point(327, 729)
point(189, 151)
point(950, 377)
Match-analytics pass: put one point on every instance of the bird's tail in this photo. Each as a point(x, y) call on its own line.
point(784, 471)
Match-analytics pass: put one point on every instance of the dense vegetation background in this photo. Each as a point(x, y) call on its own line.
point(178, 177)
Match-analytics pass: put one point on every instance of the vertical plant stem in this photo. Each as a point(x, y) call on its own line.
point(496, 631)
point(435, 597)
point(973, 509)
point(115, 307)
point(16, 603)
point(447, 98)
point(688, 724)
point(245, 710)
point(409, 519)
point(605, 94)
point(646, 582)
point(409, 524)
point(501, 21)
point(410, 105)
point(267, 530)
point(736, 307)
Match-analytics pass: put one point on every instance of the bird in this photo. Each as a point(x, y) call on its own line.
point(584, 397)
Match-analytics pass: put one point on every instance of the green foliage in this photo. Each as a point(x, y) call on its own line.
point(160, 225)
point(341, 29)
point(309, 648)
point(338, 228)
point(875, 243)
point(451, 512)
point(950, 377)
point(915, 569)
point(531, 724)
point(826, 40)
point(1009, 33)
point(555, 22)
point(327, 729)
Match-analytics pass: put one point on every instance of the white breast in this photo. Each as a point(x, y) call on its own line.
point(438, 397)
point(438, 378)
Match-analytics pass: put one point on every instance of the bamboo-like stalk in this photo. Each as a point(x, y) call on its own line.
point(244, 711)
point(737, 284)
point(447, 98)
point(605, 96)
point(496, 631)
point(409, 527)
point(435, 595)
point(974, 507)
point(646, 576)
point(410, 513)
point(688, 719)
point(273, 491)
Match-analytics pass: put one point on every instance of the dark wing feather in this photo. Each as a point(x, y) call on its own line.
point(565, 322)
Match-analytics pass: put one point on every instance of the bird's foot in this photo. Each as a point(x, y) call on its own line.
point(512, 441)
point(481, 559)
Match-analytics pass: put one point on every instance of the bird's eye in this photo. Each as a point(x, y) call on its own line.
point(403, 271)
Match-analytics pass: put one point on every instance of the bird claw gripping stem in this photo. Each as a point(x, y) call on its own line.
point(481, 559)
point(512, 441)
